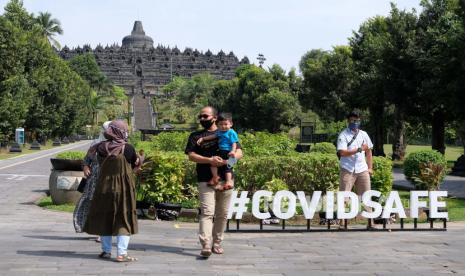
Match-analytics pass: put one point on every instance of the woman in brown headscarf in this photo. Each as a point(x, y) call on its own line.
point(113, 207)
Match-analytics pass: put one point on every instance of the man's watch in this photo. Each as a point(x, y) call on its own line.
point(359, 150)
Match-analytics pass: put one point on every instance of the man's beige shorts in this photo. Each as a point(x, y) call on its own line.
point(347, 180)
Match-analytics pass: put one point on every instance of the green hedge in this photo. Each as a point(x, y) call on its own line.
point(302, 172)
point(71, 155)
point(413, 161)
point(170, 176)
point(170, 141)
point(323, 147)
point(253, 144)
point(266, 144)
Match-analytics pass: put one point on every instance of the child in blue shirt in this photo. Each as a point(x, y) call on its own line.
point(227, 143)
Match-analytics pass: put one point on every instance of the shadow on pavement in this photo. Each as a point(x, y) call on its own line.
point(132, 246)
point(168, 249)
point(59, 238)
point(57, 253)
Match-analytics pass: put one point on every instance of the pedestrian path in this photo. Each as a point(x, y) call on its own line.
point(454, 185)
point(35, 241)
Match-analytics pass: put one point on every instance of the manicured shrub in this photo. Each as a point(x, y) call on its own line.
point(431, 176)
point(166, 177)
point(323, 147)
point(414, 160)
point(382, 179)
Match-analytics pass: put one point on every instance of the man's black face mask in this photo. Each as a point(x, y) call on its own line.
point(206, 124)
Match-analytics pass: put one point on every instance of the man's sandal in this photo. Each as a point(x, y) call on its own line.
point(125, 258)
point(105, 255)
point(205, 252)
point(217, 249)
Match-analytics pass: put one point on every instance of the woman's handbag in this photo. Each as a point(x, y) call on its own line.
point(82, 185)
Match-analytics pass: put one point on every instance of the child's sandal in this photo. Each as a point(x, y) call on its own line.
point(227, 187)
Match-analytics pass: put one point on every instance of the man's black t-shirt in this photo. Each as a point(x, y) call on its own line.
point(207, 149)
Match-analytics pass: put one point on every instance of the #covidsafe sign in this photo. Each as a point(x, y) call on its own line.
point(284, 204)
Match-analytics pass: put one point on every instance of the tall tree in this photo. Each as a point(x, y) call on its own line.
point(401, 73)
point(368, 45)
point(329, 80)
point(257, 100)
point(440, 59)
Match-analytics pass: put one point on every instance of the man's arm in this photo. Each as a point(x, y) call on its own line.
point(369, 156)
point(346, 153)
point(369, 153)
point(214, 161)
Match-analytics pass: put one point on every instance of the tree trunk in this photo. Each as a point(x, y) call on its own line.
point(438, 131)
point(378, 136)
point(460, 129)
point(399, 145)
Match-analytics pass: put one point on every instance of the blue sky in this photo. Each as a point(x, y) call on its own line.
point(282, 30)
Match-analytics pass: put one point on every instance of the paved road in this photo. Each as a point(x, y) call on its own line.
point(35, 241)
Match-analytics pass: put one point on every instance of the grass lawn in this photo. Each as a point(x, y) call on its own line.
point(4, 154)
point(47, 203)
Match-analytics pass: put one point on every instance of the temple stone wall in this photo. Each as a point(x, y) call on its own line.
point(140, 68)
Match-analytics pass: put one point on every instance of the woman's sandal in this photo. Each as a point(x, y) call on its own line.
point(217, 249)
point(125, 258)
point(105, 255)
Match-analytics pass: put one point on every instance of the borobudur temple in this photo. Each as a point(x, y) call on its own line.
point(142, 69)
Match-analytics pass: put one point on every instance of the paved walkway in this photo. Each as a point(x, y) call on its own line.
point(35, 241)
point(455, 185)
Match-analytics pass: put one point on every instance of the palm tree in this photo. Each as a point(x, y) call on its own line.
point(50, 27)
point(98, 104)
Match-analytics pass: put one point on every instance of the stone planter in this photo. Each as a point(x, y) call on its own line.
point(66, 165)
point(64, 180)
point(63, 186)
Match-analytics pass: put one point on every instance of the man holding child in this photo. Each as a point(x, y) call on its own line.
point(214, 199)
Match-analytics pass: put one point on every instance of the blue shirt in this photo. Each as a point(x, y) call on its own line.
point(226, 139)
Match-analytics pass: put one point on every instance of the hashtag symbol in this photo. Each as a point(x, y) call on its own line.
point(238, 205)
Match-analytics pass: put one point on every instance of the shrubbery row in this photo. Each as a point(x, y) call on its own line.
point(269, 159)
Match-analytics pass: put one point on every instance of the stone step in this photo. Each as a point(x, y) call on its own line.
point(142, 111)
